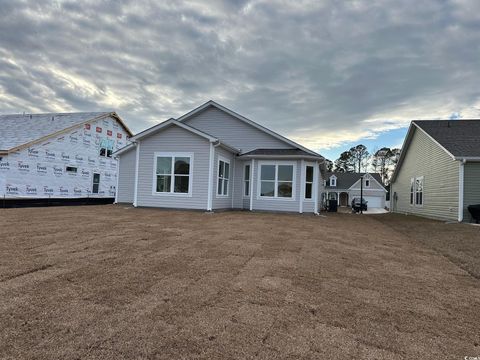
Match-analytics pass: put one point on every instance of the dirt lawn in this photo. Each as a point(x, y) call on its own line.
point(110, 282)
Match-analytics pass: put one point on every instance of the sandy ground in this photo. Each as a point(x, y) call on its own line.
point(109, 282)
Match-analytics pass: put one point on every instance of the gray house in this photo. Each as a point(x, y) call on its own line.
point(343, 187)
point(438, 172)
point(213, 158)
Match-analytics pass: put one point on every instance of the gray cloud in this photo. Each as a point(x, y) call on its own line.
point(321, 72)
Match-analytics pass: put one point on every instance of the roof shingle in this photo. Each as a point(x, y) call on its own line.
point(461, 138)
point(19, 129)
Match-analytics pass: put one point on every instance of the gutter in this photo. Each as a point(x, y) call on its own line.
point(461, 183)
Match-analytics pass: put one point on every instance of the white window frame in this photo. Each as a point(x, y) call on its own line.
point(305, 182)
point(416, 191)
point(93, 182)
point(411, 193)
point(275, 197)
point(172, 184)
point(333, 177)
point(245, 182)
point(227, 161)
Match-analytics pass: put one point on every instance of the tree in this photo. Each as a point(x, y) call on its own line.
point(345, 163)
point(384, 161)
point(329, 165)
point(360, 157)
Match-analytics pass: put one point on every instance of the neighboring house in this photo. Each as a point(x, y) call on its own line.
point(68, 155)
point(343, 187)
point(213, 158)
point(438, 172)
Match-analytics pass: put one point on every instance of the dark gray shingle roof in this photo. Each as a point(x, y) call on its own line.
point(19, 129)
point(346, 180)
point(280, 152)
point(459, 137)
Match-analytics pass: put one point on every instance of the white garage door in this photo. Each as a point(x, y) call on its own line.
point(373, 201)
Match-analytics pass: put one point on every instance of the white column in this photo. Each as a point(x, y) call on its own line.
point(137, 160)
point(316, 177)
point(461, 179)
point(338, 198)
point(302, 186)
point(232, 177)
point(252, 179)
point(210, 177)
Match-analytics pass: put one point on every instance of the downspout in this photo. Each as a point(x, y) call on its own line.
point(137, 158)
point(461, 177)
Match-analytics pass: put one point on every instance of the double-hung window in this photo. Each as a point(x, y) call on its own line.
point(276, 180)
point(246, 180)
point(419, 191)
point(308, 182)
point(412, 191)
point(223, 177)
point(173, 173)
point(416, 191)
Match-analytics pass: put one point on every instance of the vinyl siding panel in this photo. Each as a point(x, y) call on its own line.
point(174, 139)
point(234, 132)
point(471, 189)
point(239, 202)
point(223, 202)
point(126, 180)
point(425, 158)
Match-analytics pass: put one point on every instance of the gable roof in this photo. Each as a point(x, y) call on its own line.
point(172, 122)
point(458, 138)
point(212, 103)
point(20, 130)
point(347, 180)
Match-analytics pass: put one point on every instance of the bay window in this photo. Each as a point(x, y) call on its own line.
point(173, 173)
point(223, 177)
point(308, 182)
point(276, 180)
point(246, 180)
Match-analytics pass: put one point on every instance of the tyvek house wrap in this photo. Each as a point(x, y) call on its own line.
point(40, 171)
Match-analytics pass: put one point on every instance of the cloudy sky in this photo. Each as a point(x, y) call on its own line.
point(328, 74)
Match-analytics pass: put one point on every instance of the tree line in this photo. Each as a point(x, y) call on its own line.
point(358, 159)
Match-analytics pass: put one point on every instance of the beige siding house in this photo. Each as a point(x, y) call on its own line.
point(437, 175)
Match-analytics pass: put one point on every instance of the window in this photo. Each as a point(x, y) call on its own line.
point(367, 182)
point(71, 169)
point(106, 147)
point(276, 180)
point(172, 173)
point(308, 181)
point(96, 183)
point(246, 180)
point(419, 191)
point(223, 177)
point(333, 180)
point(412, 190)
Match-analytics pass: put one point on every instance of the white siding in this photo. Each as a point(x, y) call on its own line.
point(126, 180)
point(234, 132)
point(174, 139)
